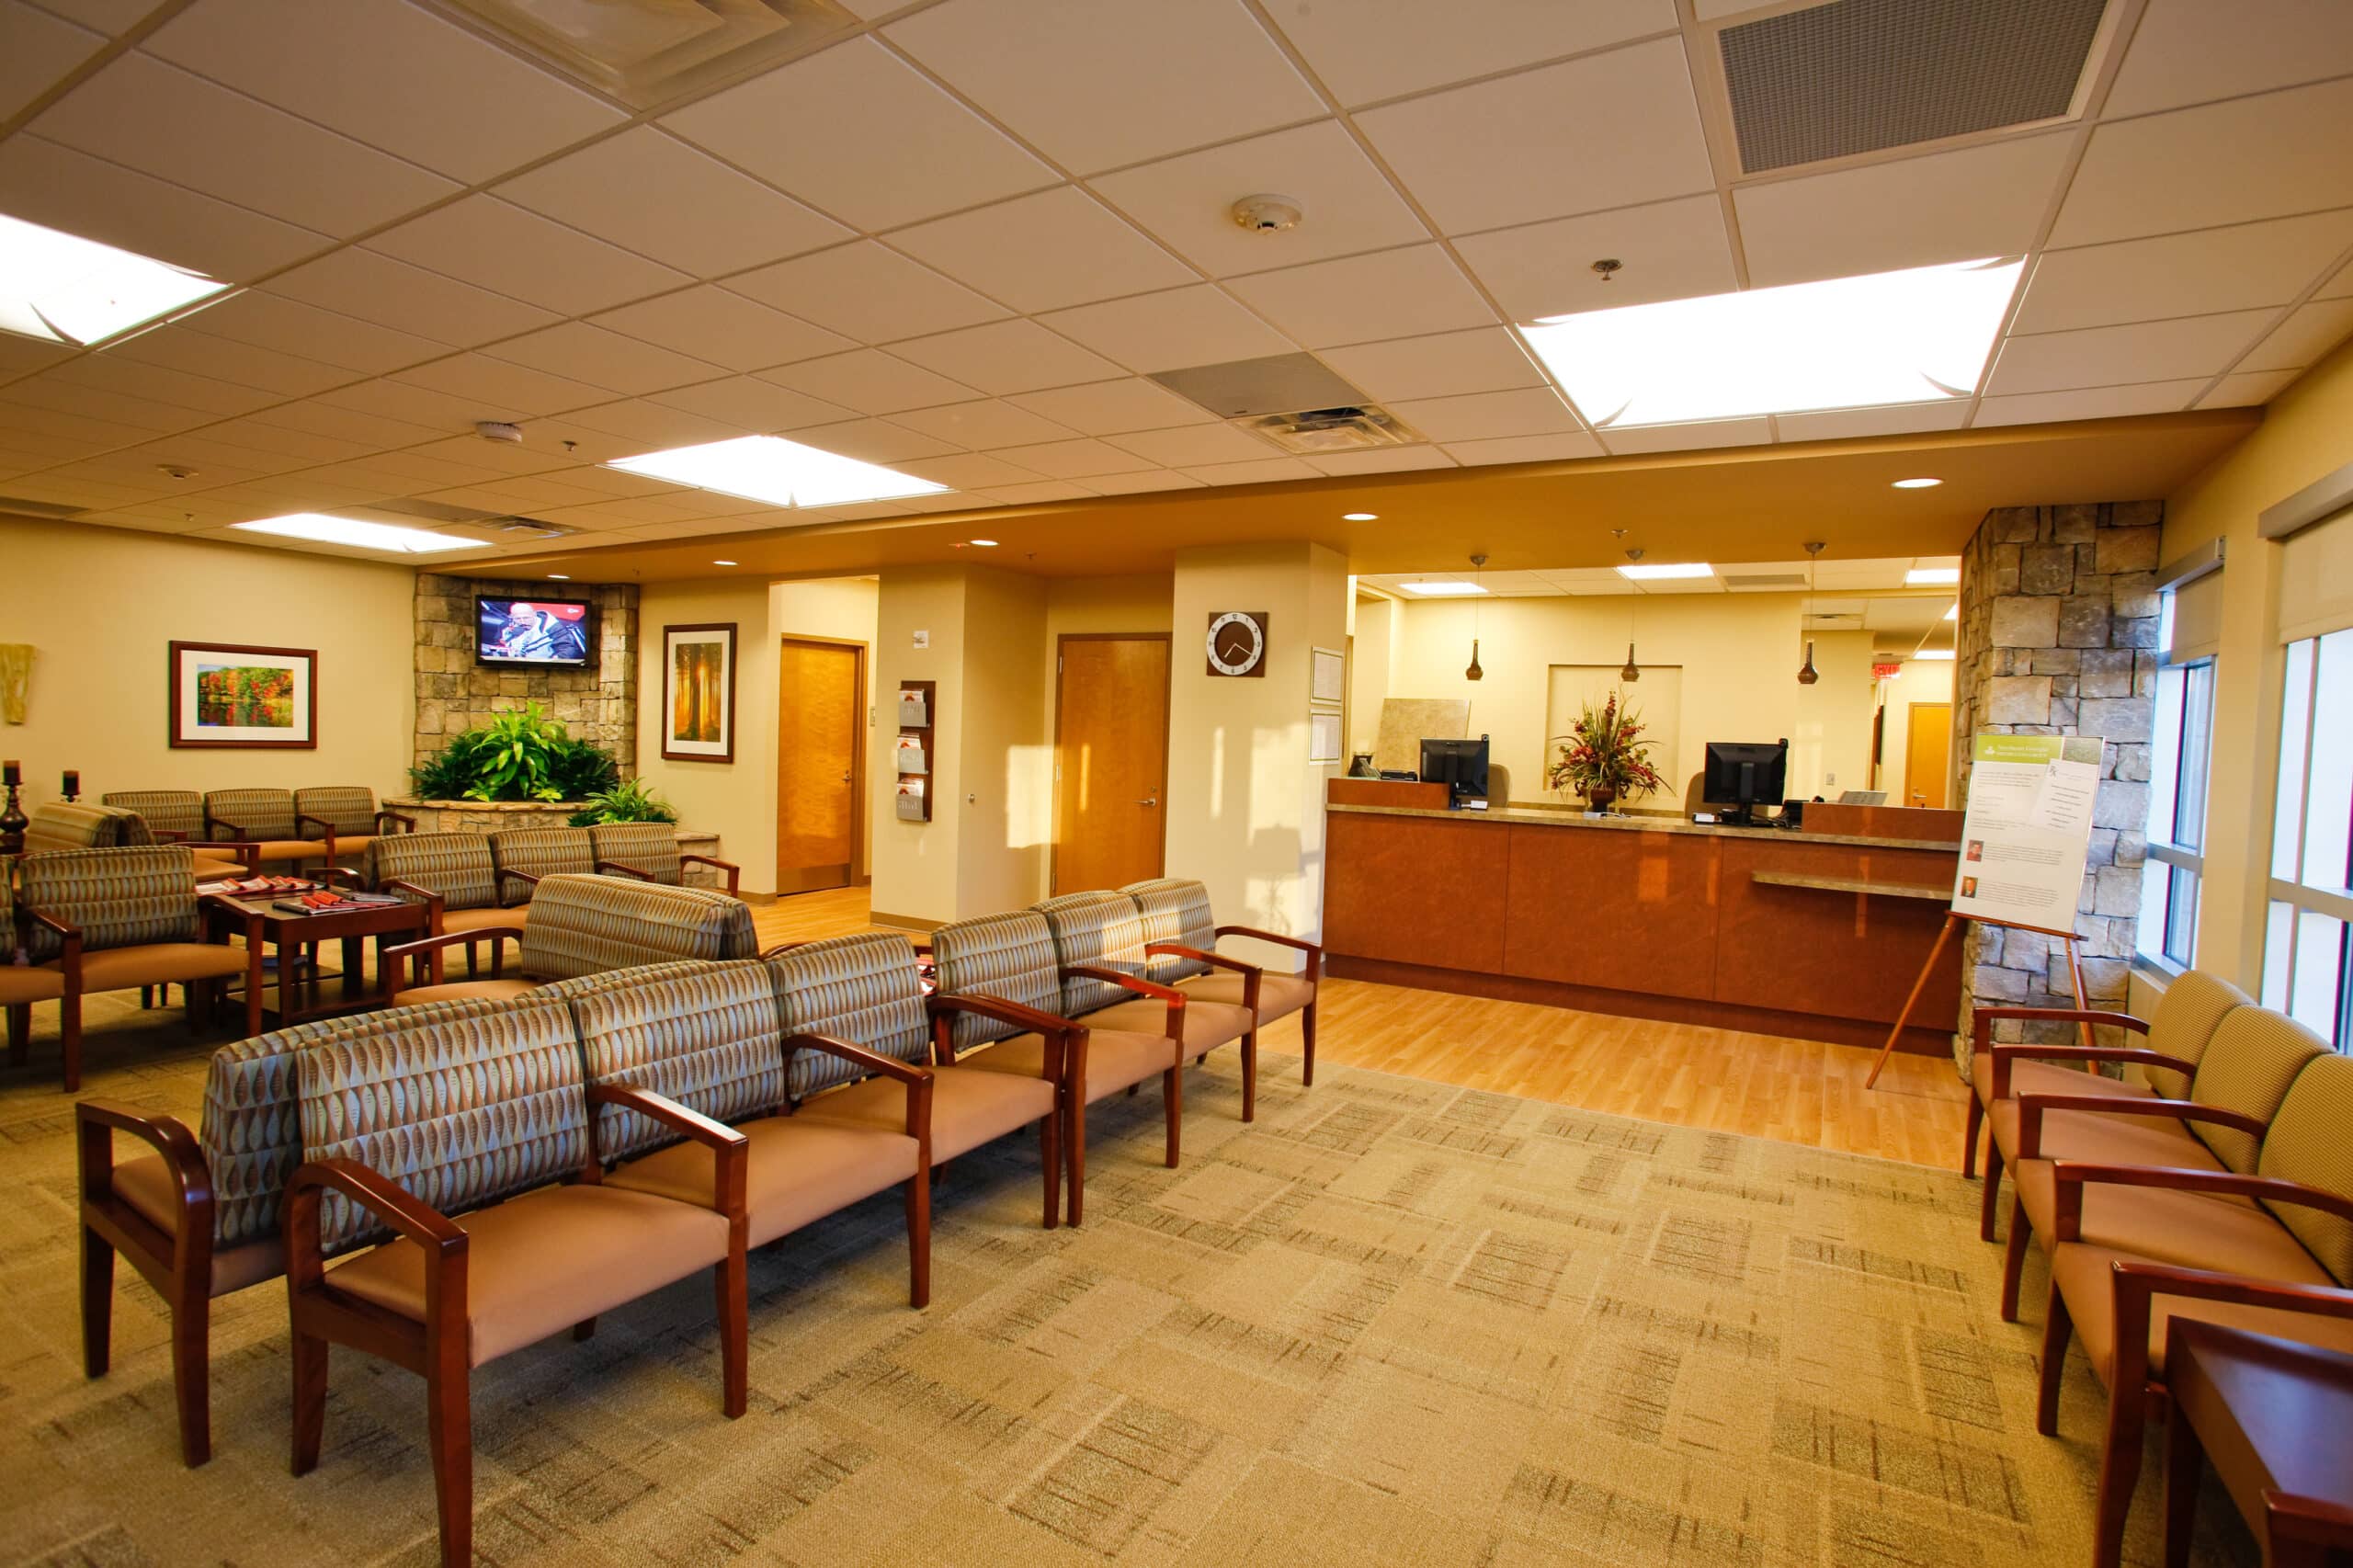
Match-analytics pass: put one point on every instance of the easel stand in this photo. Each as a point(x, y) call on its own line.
point(1952, 922)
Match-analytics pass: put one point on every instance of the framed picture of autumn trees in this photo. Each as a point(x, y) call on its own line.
point(225, 697)
point(699, 693)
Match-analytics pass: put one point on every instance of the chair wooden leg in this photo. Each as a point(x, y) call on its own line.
point(20, 1033)
point(449, 1436)
point(97, 1303)
point(919, 1240)
point(2057, 1327)
point(1969, 1136)
point(585, 1329)
point(1987, 1199)
point(1075, 1158)
point(69, 1039)
point(732, 1292)
point(1050, 1154)
point(1250, 1077)
point(2014, 1259)
point(1133, 1087)
point(309, 1399)
point(192, 1368)
point(2119, 1471)
point(2185, 1467)
point(1172, 1101)
point(1307, 1039)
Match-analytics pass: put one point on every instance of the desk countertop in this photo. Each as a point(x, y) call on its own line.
point(1524, 818)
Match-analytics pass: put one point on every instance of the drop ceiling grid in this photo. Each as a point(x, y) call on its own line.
point(394, 384)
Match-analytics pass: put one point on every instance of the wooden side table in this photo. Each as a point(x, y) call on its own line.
point(302, 993)
point(2276, 1419)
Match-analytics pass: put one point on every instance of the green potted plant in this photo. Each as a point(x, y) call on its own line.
point(521, 755)
point(632, 801)
point(1603, 756)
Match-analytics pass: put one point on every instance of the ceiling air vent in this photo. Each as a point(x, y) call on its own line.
point(1861, 76)
point(648, 52)
point(532, 528)
point(1764, 580)
point(1316, 431)
point(20, 505)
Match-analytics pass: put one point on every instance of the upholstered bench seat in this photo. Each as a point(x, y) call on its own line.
point(148, 1185)
point(1115, 1058)
point(2046, 1079)
point(455, 920)
point(2106, 1140)
point(968, 1107)
point(1280, 995)
point(2086, 1278)
point(1208, 1023)
point(460, 990)
point(21, 986)
point(800, 1170)
point(155, 963)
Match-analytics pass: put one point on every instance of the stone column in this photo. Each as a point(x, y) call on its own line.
point(2058, 636)
point(453, 694)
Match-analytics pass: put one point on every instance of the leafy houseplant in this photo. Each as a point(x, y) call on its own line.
point(632, 801)
point(1603, 757)
point(521, 755)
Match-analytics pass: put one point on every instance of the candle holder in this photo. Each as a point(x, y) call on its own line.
point(73, 782)
point(13, 822)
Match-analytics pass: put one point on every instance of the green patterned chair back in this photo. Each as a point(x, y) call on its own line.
point(459, 1104)
point(1010, 956)
point(705, 1035)
point(541, 852)
point(865, 989)
point(1175, 909)
point(649, 847)
point(590, 925)
point(72, 825)
point(121, 898)
point(351, 808)
point(165, 810)
point(455, 865)
point(1103, 929)
point(2308, 1143)
point(2256, 1054)
point(2183, 1026)
point(250, 813)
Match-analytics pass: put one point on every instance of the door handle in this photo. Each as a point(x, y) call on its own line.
point(1153, 802)
point(845, 778)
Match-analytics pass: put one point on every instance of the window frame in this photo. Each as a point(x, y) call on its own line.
point(2165, 938)
point(2289, 899)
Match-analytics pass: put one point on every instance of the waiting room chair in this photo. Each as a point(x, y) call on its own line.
point(453, 874)
point(585, 926)
point(177, 816)
point(1181, 938)
point(265, 822)
point(346, 817)
point(1101, 941)
point(21, 982)
point(523, 855)
point(650, 849)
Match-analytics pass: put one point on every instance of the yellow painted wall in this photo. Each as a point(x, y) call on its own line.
point(735, 799)
point(1372, 653)
point(1922, 681)
point(100, 604)
point(1006, 778)
point(914, 863)
point(1080, 605)
point(842, 609)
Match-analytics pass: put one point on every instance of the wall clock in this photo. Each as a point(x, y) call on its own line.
point(1237, 642)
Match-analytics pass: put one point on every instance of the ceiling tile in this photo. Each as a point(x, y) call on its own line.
point(1194, 445)
point(1392, 460)
point(161, 121)
point(1261, 471)
point(59, 399)
point(868, 380)
point(2093, 403)
point(866, 294)
point(1140, 482)
point(495, 244)
point(983, 426)
point(288, 326)
point(2338, 286)
point(2187, 51)
point(1096, 83)
point(1534, 411)
point(1033, 494)
point(645, 426)
point(725, 329)
point(682, 207)
point(2227, 163)
point(41, 50)
point(1687, 437)
point(1038, 253)
point(407, 298)
point(1839, 424)
point(1608, 130)
point(1365, 50)
point(1523, 450)
point(272, 373)
point(603, 358)
point(44, 183)
point(1348, 205)
point(1167, 332)
point(874, 441)
point(1007, 357)
point(113, 17)
point(165, 383)
point(2308, 334)
point(504, 391)
point(1111, 408)
point(857, 132)
point(967, 471)
point(373, 431)
point(2182, 275)
point(2242, 389)
point(2112, 356)
point(490, 110)
point(443, 412)
point(1672, 250)
point(755, 405)
point(1070, 459)
point(1964, 205)
point(1362, 299)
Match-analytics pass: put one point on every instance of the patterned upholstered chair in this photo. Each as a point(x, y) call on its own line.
point(74, 825)
point(120, 919)
point(708, 1036)
point(588, 925)
point(453, 872)
point(523, 855)
point(452, 1144)
point(177, 816)
point(650, 850)
point(263, 820)
point(1100, 941)
point(346, 817)
point(1181, 938)
point(865, 991)
point(21, 986)
point(1011, 958)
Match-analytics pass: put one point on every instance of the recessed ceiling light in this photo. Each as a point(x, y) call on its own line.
point(780, 472)
point(559, 577)
point(722, 564)
point(1916, 484)
point(1920, 335)
point(1666, 571)
point(1934, 653)
point(319, 528)
point(985, 543)
point(1442, 590)
point(63, 289)
point(1952, 611)
point(1359, 517)
point(1932, 576)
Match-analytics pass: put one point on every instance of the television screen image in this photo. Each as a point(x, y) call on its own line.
point(532, 632)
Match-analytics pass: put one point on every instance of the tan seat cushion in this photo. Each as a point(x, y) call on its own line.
point(1206, 1024)
point(288, 852)
point(212, 869)
point(2110, 1140)
point(484, 919)
point(1280, 995)
point(545, 1261)
point(800, 1170)
point(147, 1186)
point(2085, 1276)
point(1114, 1059)
point(2197, 1230)
point(968, 1107)
point(2049, 1079)
point(19, 984)
point(488, 990)
point(156, 964)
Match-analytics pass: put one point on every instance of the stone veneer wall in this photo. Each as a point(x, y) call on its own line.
point(2058, 636)
point(454, 694)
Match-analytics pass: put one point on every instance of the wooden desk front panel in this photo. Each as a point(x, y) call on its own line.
point(1839, 954)
point(1624, 911)
point(1416, 890)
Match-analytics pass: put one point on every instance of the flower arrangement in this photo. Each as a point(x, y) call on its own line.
point(1602, 757)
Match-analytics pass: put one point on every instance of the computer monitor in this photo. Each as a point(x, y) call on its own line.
point(1461, 765)
point(1741, 773)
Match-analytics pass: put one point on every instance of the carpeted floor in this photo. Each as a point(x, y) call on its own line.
point(1394, 1322)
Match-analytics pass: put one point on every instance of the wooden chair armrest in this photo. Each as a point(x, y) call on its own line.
point(167, 835)
point(430, 949)
point(2032, 1107)
point(734, 872)
point(1314, 950)
point(433, 903)
point(2137, 1280)
point(327, 827)
point(917, 1079)
point(2005, 1054)
point(341, 874)
point(1000, 1009)
point(69, 962)
point(1982, 1017)
point(408, 824)
point(529, 879)
point(97, 1121)
point(2313, 1519)
point(439, 1237)
point(606, 868)
point(1201, 954)
point(2074, 1176)
point(1134, 982)
point(731, 1151)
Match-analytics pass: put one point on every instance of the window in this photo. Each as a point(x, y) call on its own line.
point(2305, 962)
point(2181, 743)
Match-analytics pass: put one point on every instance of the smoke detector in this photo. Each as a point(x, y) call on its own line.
point(499, 430)
point(1267, 214)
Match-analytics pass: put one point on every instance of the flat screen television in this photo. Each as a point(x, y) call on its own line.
point(543, 633)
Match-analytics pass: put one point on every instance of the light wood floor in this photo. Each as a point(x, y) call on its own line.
point(1763, 1086)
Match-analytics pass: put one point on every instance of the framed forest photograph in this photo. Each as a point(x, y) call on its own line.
point(699, 693)
point(227, 697)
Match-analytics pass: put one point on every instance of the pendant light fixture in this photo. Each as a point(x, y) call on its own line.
point(1632, 672)
point(1478, 564)
point(1807, 674)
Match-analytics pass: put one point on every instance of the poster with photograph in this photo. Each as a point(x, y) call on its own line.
point(2026, 829)
point(229, 696)
point(699, 693)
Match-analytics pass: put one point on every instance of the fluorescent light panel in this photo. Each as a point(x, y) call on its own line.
point(1933, 653)
point(1918, 335)
point(319, 528)
point(1932, 576)
point(1442, 590)
point(780, 472)
point(1667, 571)
point(63, 289)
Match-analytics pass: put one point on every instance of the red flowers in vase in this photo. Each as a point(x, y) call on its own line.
point(1602, 757)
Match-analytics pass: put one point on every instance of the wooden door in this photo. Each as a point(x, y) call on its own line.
point(1927, 754)
point(819, 762)
point(1110, 761)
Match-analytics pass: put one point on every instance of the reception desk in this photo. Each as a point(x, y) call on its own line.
point(1817, 934)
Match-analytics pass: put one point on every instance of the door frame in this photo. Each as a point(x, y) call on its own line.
point(860, 873)
point(1062, 643)
point(1911, 756)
